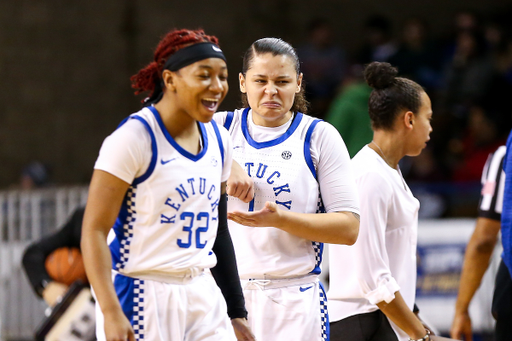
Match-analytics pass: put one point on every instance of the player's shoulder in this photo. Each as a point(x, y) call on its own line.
point(367, 163)
point(217, 129)
point(133, 128)
point(226, 117)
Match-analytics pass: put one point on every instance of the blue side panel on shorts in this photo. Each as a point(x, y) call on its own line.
point(123, 228)
point(307, 146)
point(324, 314)
point(229, 119)
point(219, 139)
point(319, 251)
point(130, 292)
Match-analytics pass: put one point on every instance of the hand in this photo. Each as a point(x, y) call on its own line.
point(461, 327)
point(117, 327)
point(54, 292)
point(242, 330)
point(267, 216)
point(240, 185)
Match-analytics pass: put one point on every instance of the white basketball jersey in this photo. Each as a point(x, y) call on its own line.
point(168, 220)
point(284, 173)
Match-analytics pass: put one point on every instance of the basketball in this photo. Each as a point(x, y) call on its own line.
point(65, 265)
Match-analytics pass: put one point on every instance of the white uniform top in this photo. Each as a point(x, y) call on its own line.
point(383, 260)
point(168, 220)
point(290, 165)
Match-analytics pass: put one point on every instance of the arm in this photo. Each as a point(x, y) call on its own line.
point(339, 194)
point(35, 256)
point(225, 274)
point(334, 228)
point(376, 280)
point(106, 193)
point(478, 253)
point(398, 312)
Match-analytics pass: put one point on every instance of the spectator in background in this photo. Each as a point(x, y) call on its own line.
point(463, 21)
point(467, 79)
point(468, 75)
point(323, 65)
point(379, 45)
point(35, 255)
point(479, 140)
point(417, 58)
point(348, 112)
point(34, 175)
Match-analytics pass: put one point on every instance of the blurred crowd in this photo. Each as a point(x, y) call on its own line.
point(467, 73)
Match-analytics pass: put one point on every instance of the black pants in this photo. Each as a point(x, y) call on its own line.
point(502, 303)
point(372, 326)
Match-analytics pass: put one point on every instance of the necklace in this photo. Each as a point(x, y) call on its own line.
point(389, 164)
point(382, 154)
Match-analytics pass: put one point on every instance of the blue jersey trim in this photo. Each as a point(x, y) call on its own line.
point(324, 315)
point(229, 119)
point(123, 228)
point(271, 143)
point(319, 252)
point(115, 245)
point(180, 150)
point(307, 146)
point(219, 139)
point(154, 150)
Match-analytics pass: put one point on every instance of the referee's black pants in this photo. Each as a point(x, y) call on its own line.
point(502, 303)
point(372, 326)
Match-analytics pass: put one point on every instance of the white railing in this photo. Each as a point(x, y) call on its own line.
point(26, 216)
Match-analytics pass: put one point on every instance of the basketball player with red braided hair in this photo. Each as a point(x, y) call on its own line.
point(156, 216)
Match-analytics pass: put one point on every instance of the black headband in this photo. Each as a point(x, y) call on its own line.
point(182, 58)
point(192, 54)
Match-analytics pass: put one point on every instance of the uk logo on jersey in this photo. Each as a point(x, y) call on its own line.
point(286, 155)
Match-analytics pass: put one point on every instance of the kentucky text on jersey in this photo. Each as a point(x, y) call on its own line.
point(190, 189)
point(272, 177)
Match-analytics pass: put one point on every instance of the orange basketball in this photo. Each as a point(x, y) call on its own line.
point(65, 265)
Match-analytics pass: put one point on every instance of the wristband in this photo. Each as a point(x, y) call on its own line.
point(424, 338)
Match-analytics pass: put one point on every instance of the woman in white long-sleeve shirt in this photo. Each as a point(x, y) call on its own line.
point(376, 277)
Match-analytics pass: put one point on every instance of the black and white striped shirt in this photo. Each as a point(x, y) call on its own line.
point(493, 184)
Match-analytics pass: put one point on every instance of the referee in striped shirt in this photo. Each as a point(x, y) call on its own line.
point(479, 251)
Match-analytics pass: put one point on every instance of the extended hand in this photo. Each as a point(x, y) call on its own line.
point(269, 215)
point(242, 330)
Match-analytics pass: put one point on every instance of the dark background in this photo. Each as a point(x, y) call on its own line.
point(65, 65)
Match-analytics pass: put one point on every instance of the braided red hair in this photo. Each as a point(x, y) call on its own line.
point(173, 41)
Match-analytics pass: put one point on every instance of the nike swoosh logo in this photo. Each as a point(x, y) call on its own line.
point(304, 289)
point(165, 162)
point(237, 147)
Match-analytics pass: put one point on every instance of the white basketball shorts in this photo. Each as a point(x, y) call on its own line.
point(194, 310)
point(287, 309)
